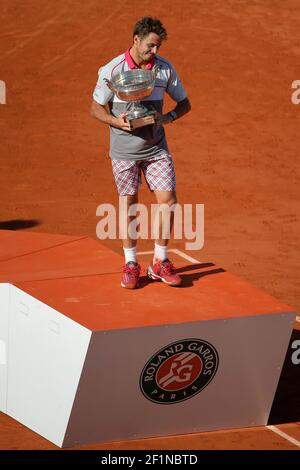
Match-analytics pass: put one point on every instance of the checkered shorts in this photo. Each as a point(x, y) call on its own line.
point(158, 171)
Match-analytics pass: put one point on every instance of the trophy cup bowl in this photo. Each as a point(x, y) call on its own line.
point(135, 85)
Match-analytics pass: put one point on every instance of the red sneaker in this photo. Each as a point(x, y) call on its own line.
point(165, 271)
point(131, 274)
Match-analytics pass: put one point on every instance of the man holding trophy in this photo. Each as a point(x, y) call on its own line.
point(129, 98)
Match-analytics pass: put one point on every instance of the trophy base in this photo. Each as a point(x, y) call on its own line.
point(140, 121)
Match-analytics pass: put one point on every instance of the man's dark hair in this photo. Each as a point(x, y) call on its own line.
point(147, 25)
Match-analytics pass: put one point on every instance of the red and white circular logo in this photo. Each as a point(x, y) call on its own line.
point(179, 371)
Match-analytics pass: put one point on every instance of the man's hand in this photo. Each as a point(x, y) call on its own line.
point(181, 109)
point(121, 123)
point(103, 113)
point(162, 119)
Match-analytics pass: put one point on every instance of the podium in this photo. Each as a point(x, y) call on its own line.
point(84, 361)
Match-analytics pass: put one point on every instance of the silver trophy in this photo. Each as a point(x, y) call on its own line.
point(135, 85)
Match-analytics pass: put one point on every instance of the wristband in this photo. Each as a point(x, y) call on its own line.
point(173, 115)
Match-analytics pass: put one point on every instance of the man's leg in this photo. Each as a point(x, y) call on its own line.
point(164, 220)
point(126, 174)
point(125, 202)
point(162, 268)
point(131, 269)
point(160, 176)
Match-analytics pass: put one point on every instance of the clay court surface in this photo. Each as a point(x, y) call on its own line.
point(236, 152)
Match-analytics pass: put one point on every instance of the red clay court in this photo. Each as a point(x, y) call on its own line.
point(236, 152)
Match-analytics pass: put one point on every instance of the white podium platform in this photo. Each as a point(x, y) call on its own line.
point(85, 361)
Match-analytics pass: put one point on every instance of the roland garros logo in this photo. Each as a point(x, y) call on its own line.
point(179, 371)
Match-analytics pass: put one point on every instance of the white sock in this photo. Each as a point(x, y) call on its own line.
point(130, 254)
point(160, 252)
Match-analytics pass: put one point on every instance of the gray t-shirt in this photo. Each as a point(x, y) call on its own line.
point(148, 141)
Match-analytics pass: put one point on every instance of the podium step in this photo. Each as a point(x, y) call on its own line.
point(87, 361)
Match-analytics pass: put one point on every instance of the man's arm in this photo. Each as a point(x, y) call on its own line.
point(101, 112)
point(181, 109)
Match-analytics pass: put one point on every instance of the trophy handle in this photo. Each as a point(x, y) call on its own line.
point(109, 84)
point(155, 70)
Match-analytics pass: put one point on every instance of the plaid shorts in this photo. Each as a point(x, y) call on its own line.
point(158, 171)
